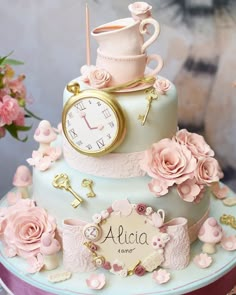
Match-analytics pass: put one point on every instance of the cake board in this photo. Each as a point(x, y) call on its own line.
point(182, 281)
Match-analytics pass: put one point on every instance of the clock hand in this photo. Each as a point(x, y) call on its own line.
point(83, 115)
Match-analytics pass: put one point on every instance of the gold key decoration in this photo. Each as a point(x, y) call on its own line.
point(151, 95)
point(88, 183)
point(61, 181)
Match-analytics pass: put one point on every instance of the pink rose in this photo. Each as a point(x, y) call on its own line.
point(195, 143)
point(140, 10)
point(189, 190)
point(208, 171)
point(162, 86)
point(169, 162)
point(158, 188)
point(139, 270)
point(99, 78)
point(9, 110)
point(141, 209)
point(25, 226)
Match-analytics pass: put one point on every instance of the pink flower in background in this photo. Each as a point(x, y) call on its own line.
point(9, 110)
point(169, 162)
point(189, 190)
point(20, 120)
point(208, 171)
point(17, 86)
point(140, 10)
point(195, 143)
point(13, 100)
point(162, 86)
point(24, 228)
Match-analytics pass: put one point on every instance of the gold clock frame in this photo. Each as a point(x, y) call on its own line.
point(106, 98)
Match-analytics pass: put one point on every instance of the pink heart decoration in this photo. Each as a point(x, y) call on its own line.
point(117, 267)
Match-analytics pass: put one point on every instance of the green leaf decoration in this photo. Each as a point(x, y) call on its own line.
point(32, 114)
point(12, 62)
point(2, 59)
point(13, 130)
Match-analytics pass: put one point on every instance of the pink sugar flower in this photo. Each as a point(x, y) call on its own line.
point(24, 227)
point(42, 163)
point(140, 10)
point(162, 86)
point(169, 162)
point(9, 110)
point(161, 276)
point(35, 263)
point(189, 190)
point(96, 281)
point(228, 243)
point(139, 270)
point(195, 143)
point(99, 78)
point(141, 209)
point(202, 260)
point(159, 188)
point(208, 171)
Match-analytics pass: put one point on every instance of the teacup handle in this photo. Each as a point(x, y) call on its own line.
point(159, 61)
point(143, 30)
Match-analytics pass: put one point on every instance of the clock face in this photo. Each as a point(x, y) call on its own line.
point(92, 232)
point(93, 123)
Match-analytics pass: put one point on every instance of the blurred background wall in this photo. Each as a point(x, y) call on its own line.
point(197, 43)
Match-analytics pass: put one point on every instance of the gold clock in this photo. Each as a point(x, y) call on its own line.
point(93, 121)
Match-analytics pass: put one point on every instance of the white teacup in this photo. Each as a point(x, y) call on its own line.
point(125, 36)
point(124, 69)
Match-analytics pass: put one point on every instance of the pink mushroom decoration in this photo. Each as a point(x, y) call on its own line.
point(210, 233)
point(50, 248)
point(22, 180)
point(44, 135)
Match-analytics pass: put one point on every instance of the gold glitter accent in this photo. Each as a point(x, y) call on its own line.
point(228, 220)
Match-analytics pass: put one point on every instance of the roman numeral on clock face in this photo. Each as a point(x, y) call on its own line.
point(73, 134)
point(111, 124)
point(89, 146)
point(79, 142)
point(80, 106)
point(68, 123)
point(106, 113)
point(100, 143)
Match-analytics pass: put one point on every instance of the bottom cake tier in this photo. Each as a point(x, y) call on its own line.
point(182, 281)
